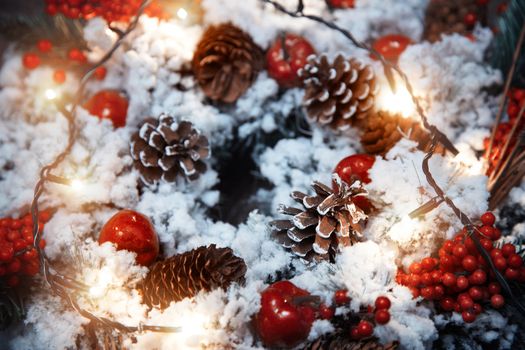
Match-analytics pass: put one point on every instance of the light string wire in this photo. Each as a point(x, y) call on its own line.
point(62, 285)
point(437, 137)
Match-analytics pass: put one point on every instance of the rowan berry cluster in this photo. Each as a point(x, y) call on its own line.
point(18, 256)
point(460, 279)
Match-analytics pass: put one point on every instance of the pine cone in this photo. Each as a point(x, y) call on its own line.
point(448, 16)
point(382, 130)
point(184, 275)
point(340, 342)
point(336, 93)
point(328, 221)
point(226, 62)
point(164, 149)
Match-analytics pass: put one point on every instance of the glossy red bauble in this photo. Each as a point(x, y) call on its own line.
point(391, 46)
point(283, 63)
point(488, 219)
point(382, 316)
point(382, 303)
point(109, 104)
point(355, 167)
point(132, 231)
point(283, 320)
point(342, 4)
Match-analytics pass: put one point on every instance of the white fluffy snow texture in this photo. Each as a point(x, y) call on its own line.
point(449, 76)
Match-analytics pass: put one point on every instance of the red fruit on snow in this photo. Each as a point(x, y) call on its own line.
point(365, 329)
point(341, 297)
point(283, 63)
point(488, 219)
point(100, 73)
point(31, 60)
point(382, 316)
point(283, 320)
point(109, 104)
point(355, 167)
point(132, 231)
point(382, 303)
point(391, 46)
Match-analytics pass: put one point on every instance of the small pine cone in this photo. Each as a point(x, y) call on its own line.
point(448, 16)
point(184, 275)
point(164, 149)
point(329, 220)
point(339, 92)
point(226, 62)
point(382, 130)
point(340, 342)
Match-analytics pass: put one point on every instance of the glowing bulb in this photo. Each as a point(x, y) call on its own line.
point(50, 94)
point(77, 184)
point(101, 286)
point(182, 13)
point(399, 102)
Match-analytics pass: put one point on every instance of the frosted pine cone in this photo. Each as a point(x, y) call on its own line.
point(226, 62)
point(329, 220)
point(337, 93)
point(382, 130)
point(448, 16)
point(184, 275)
point(164, 149)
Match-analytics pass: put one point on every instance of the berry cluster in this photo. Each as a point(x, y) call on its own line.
point(45, 54)
point(17, 254)
point(460, 279)
point(516, 102)
point(110, 10)
point(365, 326)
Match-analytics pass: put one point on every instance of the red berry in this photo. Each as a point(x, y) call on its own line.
point(31, 60)
point(14, 266)
point(426, 279)
point(462, 283)
point(51, 9)
point(365, 329)
point(515, 261)
point(44, 46)
point(447, 304)
point(436, 276)
point(487, 231)
point(326, 312)
point(132, 231)
point(488, 219)
point(500, 263)
point(439, 292)
point(497, 301)
point(519, 94)
point(470, 19)
point(496, 253)
point(428, 263)
point(466, 303)
point(391, 46)
point(486, 244)
point(341, 297)
point(19, 244)
point(468, 316)
point(382, 303)
point(415, 291)
point(469, 263)
point(76, 55)
point(475, 293)
point(427, 293)
point(449, 279)
point(415, 268)
point(109, 104)
point(13, 281)
point(100, 73)
point(30, 255)
point(284, 63)
point(448, 245)
point(512, 274)
point(494, 288)
point(508, 249)
point(478, 277)
point(497, 234)
point(12, 235)
point(459, 251)
point(342, 3)
point(354, 333)
point(59, 76)
point(477, 309)
point(6, 252)
point(414, 280)
point(382, 316)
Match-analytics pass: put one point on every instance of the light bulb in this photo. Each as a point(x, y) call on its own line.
point(50, 94)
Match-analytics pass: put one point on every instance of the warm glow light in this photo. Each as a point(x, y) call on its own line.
point(398, 102)
point(182, 13)
point(77, 184)
point(50, 94)
point(100, 287)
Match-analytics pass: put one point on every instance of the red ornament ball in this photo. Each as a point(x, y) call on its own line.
point(282, 321)
point(132, 231)
point(391, 46)
point(355, 167)
point(342, 4)
point(382, 316)
point(382, 303)
point(326, 312)
point(31, 60)
point(341, 297)
point(283, 63)
point(365, 329)
point(488, 219)
point(109, 104)
point(497, 301)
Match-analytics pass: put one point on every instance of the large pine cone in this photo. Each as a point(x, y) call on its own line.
point(226, 62)
point(328, 221)
point(448, 16)
point(164, 149)
point(339, 92)
point(184, 275)
point(382, 130)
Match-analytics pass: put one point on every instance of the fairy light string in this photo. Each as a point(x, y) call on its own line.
point(62, 285)
point(437, 137)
